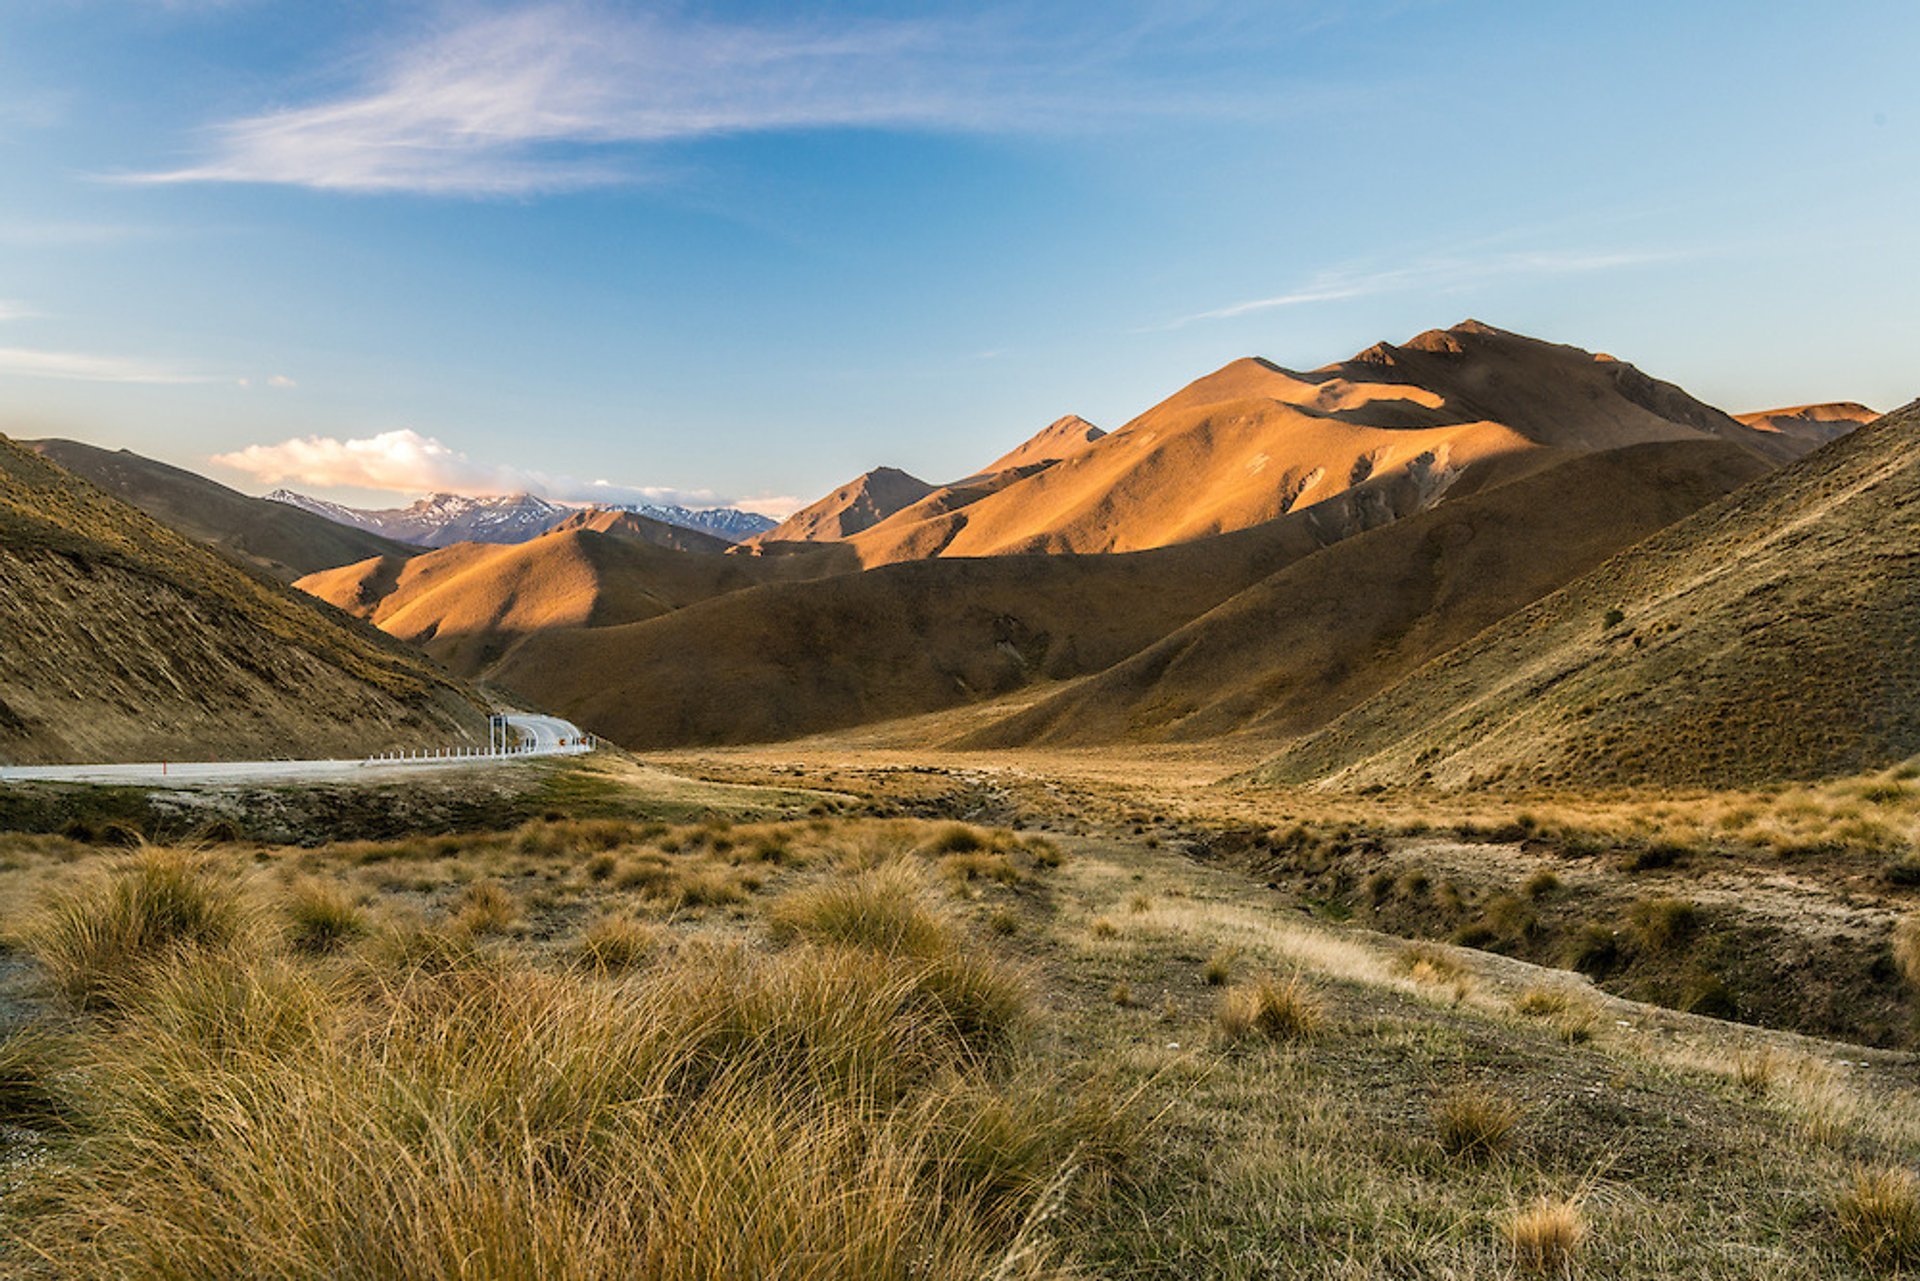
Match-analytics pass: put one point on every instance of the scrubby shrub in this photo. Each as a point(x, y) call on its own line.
point(1102, 928)
point(1273, 1008)
point(96, 936)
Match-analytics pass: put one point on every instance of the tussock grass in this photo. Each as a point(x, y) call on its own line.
point(1547, 1235)
point(1663, 924)
point(1220, 966)
point(1877, 1214)
point(613, 943)
point(1272, 1008)
point(978, 865)
point(1906, 947)
point(886, 909)
point(1756, 1071)
point(322, 916)
point(485, 907)
point(830, 1110)
point(1473, 1124)
point(30, 1055)
point(94, 937)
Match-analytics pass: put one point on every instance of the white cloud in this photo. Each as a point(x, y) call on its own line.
point(558, 95)
point(1437, 273)
point(11, 310)
point(85, 367)
point(281, 382)
point(406, 462)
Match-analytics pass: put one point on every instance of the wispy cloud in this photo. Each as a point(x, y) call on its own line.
point(73, 366)
point(560, 95)
point(406, 462)
point(11, 310)
point(1429, 274)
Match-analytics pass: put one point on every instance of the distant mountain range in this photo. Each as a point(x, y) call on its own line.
point(440, 520)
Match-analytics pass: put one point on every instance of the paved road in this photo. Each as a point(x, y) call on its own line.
point(540, 736)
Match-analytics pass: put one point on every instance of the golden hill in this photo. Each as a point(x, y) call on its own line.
point(467, 604)
point(1366, 441)
point(1774, 634)
point(285, 541)
point(859, 504)
point(1813, 424)
point(1062, 438)
point(920, 636)
point(125, 640)
point(1298, 648)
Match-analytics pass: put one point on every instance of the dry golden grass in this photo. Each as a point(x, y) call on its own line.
point(431, 1100)
point(1273, 1008)
point(613, 943)
point(1220, 966)
point(322, 916)
point(1547, 1235)
point(1878, 1217)
point(485, 907)
point(95, 937)
point(1474, 1124)
point(1906, 947)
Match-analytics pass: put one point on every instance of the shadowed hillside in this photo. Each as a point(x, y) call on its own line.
point(1773, 635)
point(1293, 651)
point(285, 541)
point(645, 529)
point(1813, 424)
point(121, 639)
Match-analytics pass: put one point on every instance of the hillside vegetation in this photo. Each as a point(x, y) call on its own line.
point(126, 640)
point(1296, 649)
point(285, 541)
point(1773, 635)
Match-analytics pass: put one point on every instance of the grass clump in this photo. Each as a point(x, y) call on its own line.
point(95, 937)
point(614, 944)
point(1271, 1008)
point(885, 909)
point(1906, 947)
point(1473, 1124)
point(1878, 1216)
point(321, 916)
point(1546, 1235)
point(1663, 924)
point(485, 907)
point(799, 1114)
point(29, 1057)
point(1220, 966)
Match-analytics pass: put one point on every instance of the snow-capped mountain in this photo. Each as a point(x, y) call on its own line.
point(441, 519)
point(729, 523)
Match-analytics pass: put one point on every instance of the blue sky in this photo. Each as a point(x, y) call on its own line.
point(742, 251)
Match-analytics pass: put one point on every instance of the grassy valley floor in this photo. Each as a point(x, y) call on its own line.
point(900, 1019)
